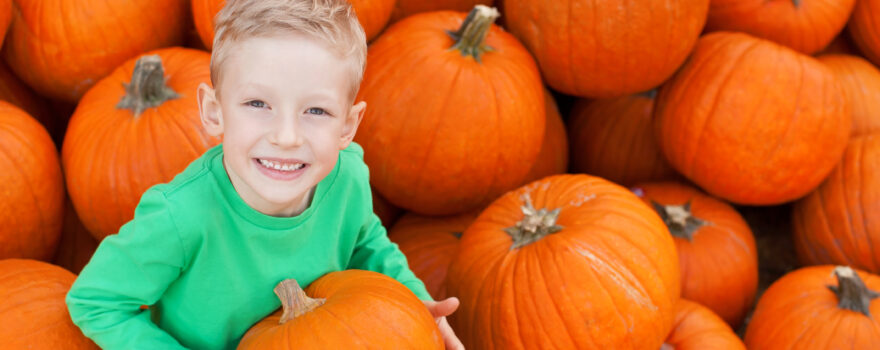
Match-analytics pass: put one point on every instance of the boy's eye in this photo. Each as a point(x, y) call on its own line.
point(256, 104)
point(316, 111)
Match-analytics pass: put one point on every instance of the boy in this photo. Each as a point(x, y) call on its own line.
point(286, 195)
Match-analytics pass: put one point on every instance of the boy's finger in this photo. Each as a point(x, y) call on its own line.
point(446, 307)
point(449, 338)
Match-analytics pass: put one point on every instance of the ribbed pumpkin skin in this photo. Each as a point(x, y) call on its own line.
point(364, 310)
point(111, 155)
point(613, 139)
point(607, 48)
point(553, 156)
point(5, 18)
point(31, 187)
point(429, 244)
point(32, 310)
point(798, 311)
point(461, 141)
point(568, 290)
point(77, 245)
point(62, 60)
point(719, 266)
point(864, 28)
point(406, 8)
point(386, 212)
point(203, 12)
point(807, 26)
point(698, 328)
point(861, 81)
point(15, 91)
point(751, 121)
point(838, 222)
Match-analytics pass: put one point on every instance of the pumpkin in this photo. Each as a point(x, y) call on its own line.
point(804, 25)
point(698, 328)
point(386, 212)
point(566, 262)
point(840, 45)
point(32, 187)
point(818, 307)
point(63, 47)
point(350, 309)
point(470, 135)
point(553, 154)
point(5, 18)
point(861, 81)
point(716, 249)
point(429, 244)
point(406, 8)
point(76, 245)
point(607, 48)
point(613, 139)
point(864, 29)
point(32, 310)
point(372, 14)
point(14, 91)
point(136, 128)
point(751, 121)
point(838, 222)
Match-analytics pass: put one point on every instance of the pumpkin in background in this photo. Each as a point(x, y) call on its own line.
point(33, 314)
point(125, 137)
point(32, 187)
point(471, 134)
point(818, 307)
point(14, 91)
point(613, 139)
point(698, 328)
point(406, 8)
point(5, 18)
point(429, 244)
point(203, 12)
point(63, 47)
point(838, 223)
point(553, 156)
point(607, 48)
point(864, 28)
point(751, 121)
point(861, 81)
point(840, 45)
point(554, 264)
point(353, 309)
point(716, 249)
point(804, 25)
point(386, 212)
point(77, 245)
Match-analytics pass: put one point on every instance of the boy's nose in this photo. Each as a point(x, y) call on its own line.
point(287, 133)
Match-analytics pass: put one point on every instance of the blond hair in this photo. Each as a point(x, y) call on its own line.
point(332, 22)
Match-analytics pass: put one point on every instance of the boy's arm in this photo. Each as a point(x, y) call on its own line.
point(375, 252)
point(129, 269)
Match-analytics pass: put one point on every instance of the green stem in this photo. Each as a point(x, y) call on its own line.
point(535, 224)
point(679, 219)
point(852, 294)
point(148, 87)
point(294, 301)
point(470, 38)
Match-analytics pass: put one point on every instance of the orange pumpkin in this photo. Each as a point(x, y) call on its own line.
point(864, 28)
point(461, 141)
point(14, 91)
point(716, 249)
point(386, 212)
point(134, 129)
point(554, 264)
point(32, 310)
point(697, 328)
point(77, 245)
point(838, 223)
point(553, 156)
point(406, 8)
point(5, 18)
point(63, 47)
point(613, 139)
point(752, 121)
point(861, 81)
point(32, 187)
point(818, 307)
point(429, 244)
point(351, 309)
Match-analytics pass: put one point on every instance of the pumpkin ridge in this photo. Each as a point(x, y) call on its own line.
point(550, 263)
point(24, 175)
point(828, 232)
point(795, 113)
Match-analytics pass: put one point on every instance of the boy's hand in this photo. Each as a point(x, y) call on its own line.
point(441, 309)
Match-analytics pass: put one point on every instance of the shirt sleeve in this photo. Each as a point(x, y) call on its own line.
point(375, 252)
point(129, 269)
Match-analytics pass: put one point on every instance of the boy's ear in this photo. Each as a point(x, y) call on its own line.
point(352, 121)
point(209, 110)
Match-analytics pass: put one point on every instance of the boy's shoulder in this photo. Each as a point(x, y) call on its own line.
point(197, 176)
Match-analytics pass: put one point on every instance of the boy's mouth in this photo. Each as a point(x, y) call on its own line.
point(281, 165)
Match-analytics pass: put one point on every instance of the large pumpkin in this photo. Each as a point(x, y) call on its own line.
point(752, 121)
point(839, 222)
point(698, 328)
point(566, 262)
point(351, 309)
point(406, 8)
point(864, 28)
point(607, 48)
point(77, 245)
point(32, 310)
point(716, 248)
point(804, 25)
point(15, 91)
point(63, 47)
point(429, 244)
point(553, 156)
point(31, 187)
point(451, 124)
point(386, 212)
point(613, 139)
point(817, 308)
point(861, 81)
point(136, 128)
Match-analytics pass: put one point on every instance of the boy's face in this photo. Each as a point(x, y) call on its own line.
point(284, 111)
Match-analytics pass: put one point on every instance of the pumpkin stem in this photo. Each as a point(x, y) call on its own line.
point(679, 220)
point(535, 224)
point(852, 294)
point(649, 94)
point(666, 346)
point(147, 88)
point(457, 234)
point(797, 3)
point(294, 301)
point(471, 36)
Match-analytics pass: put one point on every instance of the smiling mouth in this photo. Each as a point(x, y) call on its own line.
point(280, 166)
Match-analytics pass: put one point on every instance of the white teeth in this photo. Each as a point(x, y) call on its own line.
point(286, 167)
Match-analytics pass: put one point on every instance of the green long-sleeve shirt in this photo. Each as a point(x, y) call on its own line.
point(208, 262)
